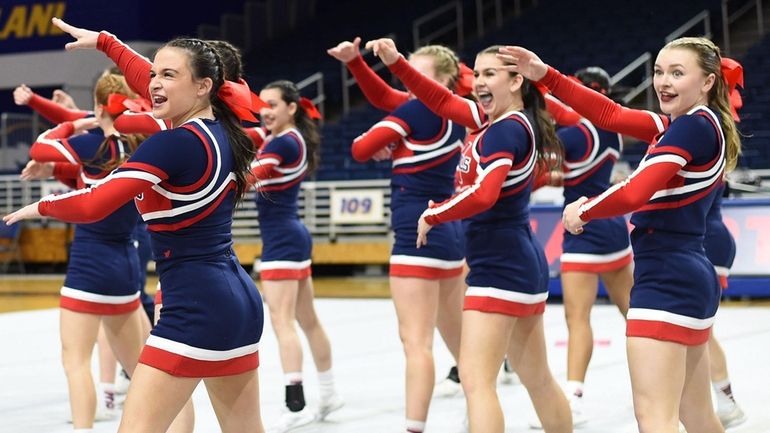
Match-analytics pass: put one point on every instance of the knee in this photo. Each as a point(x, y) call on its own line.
point(73, 361)
point(535, 377)
point(307, 321)
point(578, 318)
point(416, 344)
point(654, 419)
point(474, 380)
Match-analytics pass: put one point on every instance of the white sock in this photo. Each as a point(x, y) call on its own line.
point(107, 395)
point(413, 426)
point(724, 392)
point(326, 384)
point(293, 378)
point(574, 388)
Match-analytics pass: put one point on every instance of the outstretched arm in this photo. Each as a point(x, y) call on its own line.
point(594, 106)
point(376, 90)
point(50, 110)
point(437, 97)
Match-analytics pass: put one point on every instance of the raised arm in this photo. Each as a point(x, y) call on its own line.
point(437, 97)
point(139, 123)
point(599, 109)
point(50, 110)
point(53, 146)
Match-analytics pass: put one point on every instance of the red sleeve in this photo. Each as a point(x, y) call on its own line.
point(602, 111)
point(481, 196)
point(562, 113)
point(67, 173)
point(93, 204)
point(135, 67)
point(377, 91)
point(630, 194)
point(52, 145)
point(139, 123)
point(378, 137)
point(438, 98)
point(52, 111)
point(263, 167)
point(257, 136)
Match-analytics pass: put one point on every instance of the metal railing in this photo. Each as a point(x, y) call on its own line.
point(456, 24)
point(320, 98)
point(643, 61)
point(314, 208)
point(348, 81)
point(728, 19)
point(483, 6)
point(702, 17)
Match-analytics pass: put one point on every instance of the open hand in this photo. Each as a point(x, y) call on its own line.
point(385, 49)
point(37, 170)
point(27, 212)
point(346, 51)
point(523, 61)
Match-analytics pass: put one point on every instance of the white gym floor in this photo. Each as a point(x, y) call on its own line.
point(368, 366)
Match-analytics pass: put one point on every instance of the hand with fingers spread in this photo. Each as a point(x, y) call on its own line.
point(523, 61)
point(571, 216)
point(346, 51)
point(35, 170)
point(385, 49)
point(25, 213)
point(423, 227)
point(22, 95)
point(85, 39)
point(64, 99)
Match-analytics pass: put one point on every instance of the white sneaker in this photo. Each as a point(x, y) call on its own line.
point(104, 413)
point(447, 388)
point(732, 416)
point(291, 421)
point(578, 417)
point(121, 383)
point(507, 376)
point(329, 405)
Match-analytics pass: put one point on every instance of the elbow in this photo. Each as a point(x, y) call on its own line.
point(359, 155)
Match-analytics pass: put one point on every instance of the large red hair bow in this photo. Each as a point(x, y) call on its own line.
point(310, 108)
point(115, 104)
point(732, 72)
point(238, 97)
point(464, 84)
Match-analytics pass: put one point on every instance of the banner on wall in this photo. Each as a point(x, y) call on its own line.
point(747, 220)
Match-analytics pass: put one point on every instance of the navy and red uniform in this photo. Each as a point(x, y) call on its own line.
point(211, 320)
point(589, 156)
point(508, 270)
point(719, 243)
point(103, 268)
point(425, 152)
point(279, 168)
point(676, 291)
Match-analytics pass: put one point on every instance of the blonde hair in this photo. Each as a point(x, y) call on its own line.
point(445, 61)
point(709, 60)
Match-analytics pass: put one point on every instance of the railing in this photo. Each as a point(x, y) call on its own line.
point(314, 208)
point(348, 81)
point(320, 98)
point(17, 132)
point(702, 16)
point(481, 8)
point(728, 19)
point(432, 18)
point(643, 61)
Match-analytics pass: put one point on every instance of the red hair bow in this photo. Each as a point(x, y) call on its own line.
point(464, 85)
point(115, 104)
point(238, 98)
point(732, 72)
point(138, 105)
point(311, 110)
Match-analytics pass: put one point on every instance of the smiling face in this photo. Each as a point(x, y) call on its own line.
point(175, 93)
point(495, 88)
point(280, 115)
point(679, 81)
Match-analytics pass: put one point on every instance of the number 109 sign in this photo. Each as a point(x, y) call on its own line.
point(356, 206)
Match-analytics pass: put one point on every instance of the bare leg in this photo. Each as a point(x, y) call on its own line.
point(450, 312)
point(482, 349)
point(236, 402)
point(618, 284)
point(107, 362)
point(311, 326)
point(528, 356)
point(281, 298)
point(658, 370)
point(579, 291)
point(696, 411)
point(718, 361)
point(416, 302)
point(78, 336)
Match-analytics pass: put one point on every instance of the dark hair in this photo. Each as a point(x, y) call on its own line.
point(595, 78)
point(231, 58)
point(205, 62)
point(547, 143)
point(307, 126)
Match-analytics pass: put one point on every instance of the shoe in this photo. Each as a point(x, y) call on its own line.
point(104, 413)
point(329, 405)
point(681, 428)
point(507, 376)
point(576, 407)
point(291, 421)
point(121, 382)
point(732, 416)
point(447, 388)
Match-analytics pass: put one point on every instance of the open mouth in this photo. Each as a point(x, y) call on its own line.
point(666, 97)
point(158, 100)
point(485, 99)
